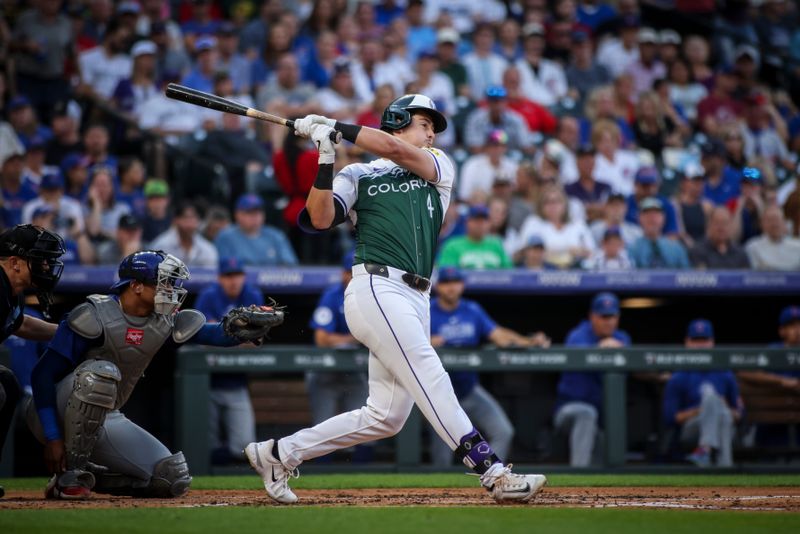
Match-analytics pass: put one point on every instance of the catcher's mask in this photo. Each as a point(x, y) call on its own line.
point(167, 272)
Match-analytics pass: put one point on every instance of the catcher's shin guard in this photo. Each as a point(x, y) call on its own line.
point(170, 479)
point(94, 394)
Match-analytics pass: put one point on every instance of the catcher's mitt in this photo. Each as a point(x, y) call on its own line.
point(253, 323)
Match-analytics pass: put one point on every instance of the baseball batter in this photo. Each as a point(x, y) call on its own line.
point(398, 204)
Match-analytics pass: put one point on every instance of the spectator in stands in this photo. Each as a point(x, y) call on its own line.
point(100, 14)
point(131, 174)
point(537, 117)
point(774, 250)
point(697, 53)
point(647, 68)
point(217, 219)
point(250, 240)
point(484, 67)
point(461, 323)
point(746, 66)
point(421, 37)
point(168, 117)
point(22, 118)
point(285, 94)
point(721, 181)
point(617, 53)
point(66, 134)
point(40, 63)
point(102, 210)
point(495, 116)
point(684, 91)
point(584, 73)
point(231, 419)
point(531, 256)
point(590, 192)
point(594, 14)
point(340, 101)
point(646, 184)
point(104, 66)
point(614, 213)
point(480, 171)
point(157, 217)
point(568, 134)
point(231, 61)
point(184, 241)
point(691, 208)
point(653, 250)
point(613, 165)
point(653, 128)
point(449, 62)
point(508, 44)
point(169, 58)
point(669, 47)
point(477, 249)
point(127, 240)
point(253, 36)
point(580, 394)
point(434, 84)
point(153, 14)
point(518, 209)
point(611, 256)
point(371, 70)
point(543, 80)
point(748, 207)
point(201, 24)
point(279, 41)
point(704, 405)
point(79, 250)
point(734, 147)
point(201, 76)
point(567, 241)
point(69, 215)
point(132, 92)
point(76, 176)
point(764, 133)
point(717, 250)
point(601, 105)
point(720, 107)
point(35, 166)
point(95, 141)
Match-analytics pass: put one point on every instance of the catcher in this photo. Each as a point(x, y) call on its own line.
point(93, 364)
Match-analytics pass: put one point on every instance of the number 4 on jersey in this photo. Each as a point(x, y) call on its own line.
point(430, 205)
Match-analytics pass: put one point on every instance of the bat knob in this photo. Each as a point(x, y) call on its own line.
point(335, 137)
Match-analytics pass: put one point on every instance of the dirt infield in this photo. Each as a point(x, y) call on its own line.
point(768, 499)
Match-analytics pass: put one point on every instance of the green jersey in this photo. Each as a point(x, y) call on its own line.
point(396, 213)
point(467, 254)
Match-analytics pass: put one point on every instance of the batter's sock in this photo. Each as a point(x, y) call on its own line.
point(476, 453)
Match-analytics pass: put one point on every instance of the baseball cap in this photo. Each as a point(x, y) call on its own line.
point(612, 231)
point(143, 48)
point(605, 303)
point(230, 265)
point(534, 241)
point(448, 35)
point(647, 175)
point(533, 28)
point(249, 202)
point(650, 203)
point(580, 36)
point(585, 149)
point(205, 42)
point(746, 50)
point(478, 211)
point(496, 92)
point(647, 35)
point(789, 314)
point(52, 181)
point(35, 142)
point(341, 65)
point(44, 209)
point(617, 196)
point(669, 36)
point(629, 22)
point(19, 102)
point(751, 175)
point(156, 188)
point(700, 329)
point(71, 161)
point(227, 29)
point(427, 54)
point(129, 221)
point(693, 171)
point(450, 274)
point(713, 147)
point(128, 8)
point(497, 137)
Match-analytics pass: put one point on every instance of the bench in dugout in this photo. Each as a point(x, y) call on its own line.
point(771, 426)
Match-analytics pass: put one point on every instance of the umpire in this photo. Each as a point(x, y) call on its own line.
point(29, 259)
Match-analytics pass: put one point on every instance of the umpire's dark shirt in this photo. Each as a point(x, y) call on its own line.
point(11, 307)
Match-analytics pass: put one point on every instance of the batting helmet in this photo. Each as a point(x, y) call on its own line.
point(398, 114)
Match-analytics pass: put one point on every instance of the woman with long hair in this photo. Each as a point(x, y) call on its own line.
point(653, 128)
point(102, 211)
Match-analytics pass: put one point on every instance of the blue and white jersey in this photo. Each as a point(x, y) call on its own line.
point(329, 313)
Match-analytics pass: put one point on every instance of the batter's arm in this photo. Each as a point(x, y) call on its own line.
point(385, 145)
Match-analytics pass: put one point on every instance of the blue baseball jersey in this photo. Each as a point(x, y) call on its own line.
point(683, 390)
point(466, 326)
point(584, 387)
point(24, 354)
point(329, 313)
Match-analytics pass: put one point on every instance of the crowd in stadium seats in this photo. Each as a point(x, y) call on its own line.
point(588, 134)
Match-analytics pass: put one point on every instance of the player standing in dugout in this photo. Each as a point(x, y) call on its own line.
point(397, 204)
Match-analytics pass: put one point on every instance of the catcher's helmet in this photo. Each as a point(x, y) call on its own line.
point(158, 268)
point(398, 114)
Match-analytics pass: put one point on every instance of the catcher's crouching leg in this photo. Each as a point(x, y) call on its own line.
point(170, 479)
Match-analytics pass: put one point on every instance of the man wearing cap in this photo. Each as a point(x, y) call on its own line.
point(691, 208)
point(250, 240)
point(720, 107)
point(765, 132)
point(184, 241)
point(717, 250)
point(496, 116)
point(35, 166)
point(653, 250)
point(201, 76)
point(77, 249)
point(646, 183)
point(457, 322)
point(153, 20)
point(127, 240)
point(669, 47)
point(231, 61)
point(22, 118)
point(477, 249)
point(614, 217)
point(789, 332)
point(579, 401)
point(484, 66)
point(104, 66)
point(591, 193)
point(704, 405)
point(201, 25)
point(722, 182)
point(157, 215)
point(648, 68)
point(447, 40)
point(774, 250)
point(584, 72)
point(230, 409)
point(748, 206)
point(69, 215)
point(480, 171)
point(65, 124)
point(132, 92)
point(611, 256)
point(29, 259)
point(15, 192)
point(543, 80)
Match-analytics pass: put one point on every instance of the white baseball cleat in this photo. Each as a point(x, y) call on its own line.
point(272, 471)
point(505, 486)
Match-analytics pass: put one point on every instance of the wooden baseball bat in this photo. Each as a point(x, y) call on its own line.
point(218, 103)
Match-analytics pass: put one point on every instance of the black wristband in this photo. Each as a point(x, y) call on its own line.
point(324, 178)
point(349, 131)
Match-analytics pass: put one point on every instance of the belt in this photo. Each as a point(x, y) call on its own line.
point(415, 281)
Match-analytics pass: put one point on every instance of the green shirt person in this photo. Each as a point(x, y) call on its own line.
point(477, 249)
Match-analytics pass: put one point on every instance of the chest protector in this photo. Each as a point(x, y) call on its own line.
point(129, 342)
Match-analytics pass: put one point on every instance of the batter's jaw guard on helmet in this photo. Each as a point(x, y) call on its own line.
point(158, 268)
point(398, 114)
